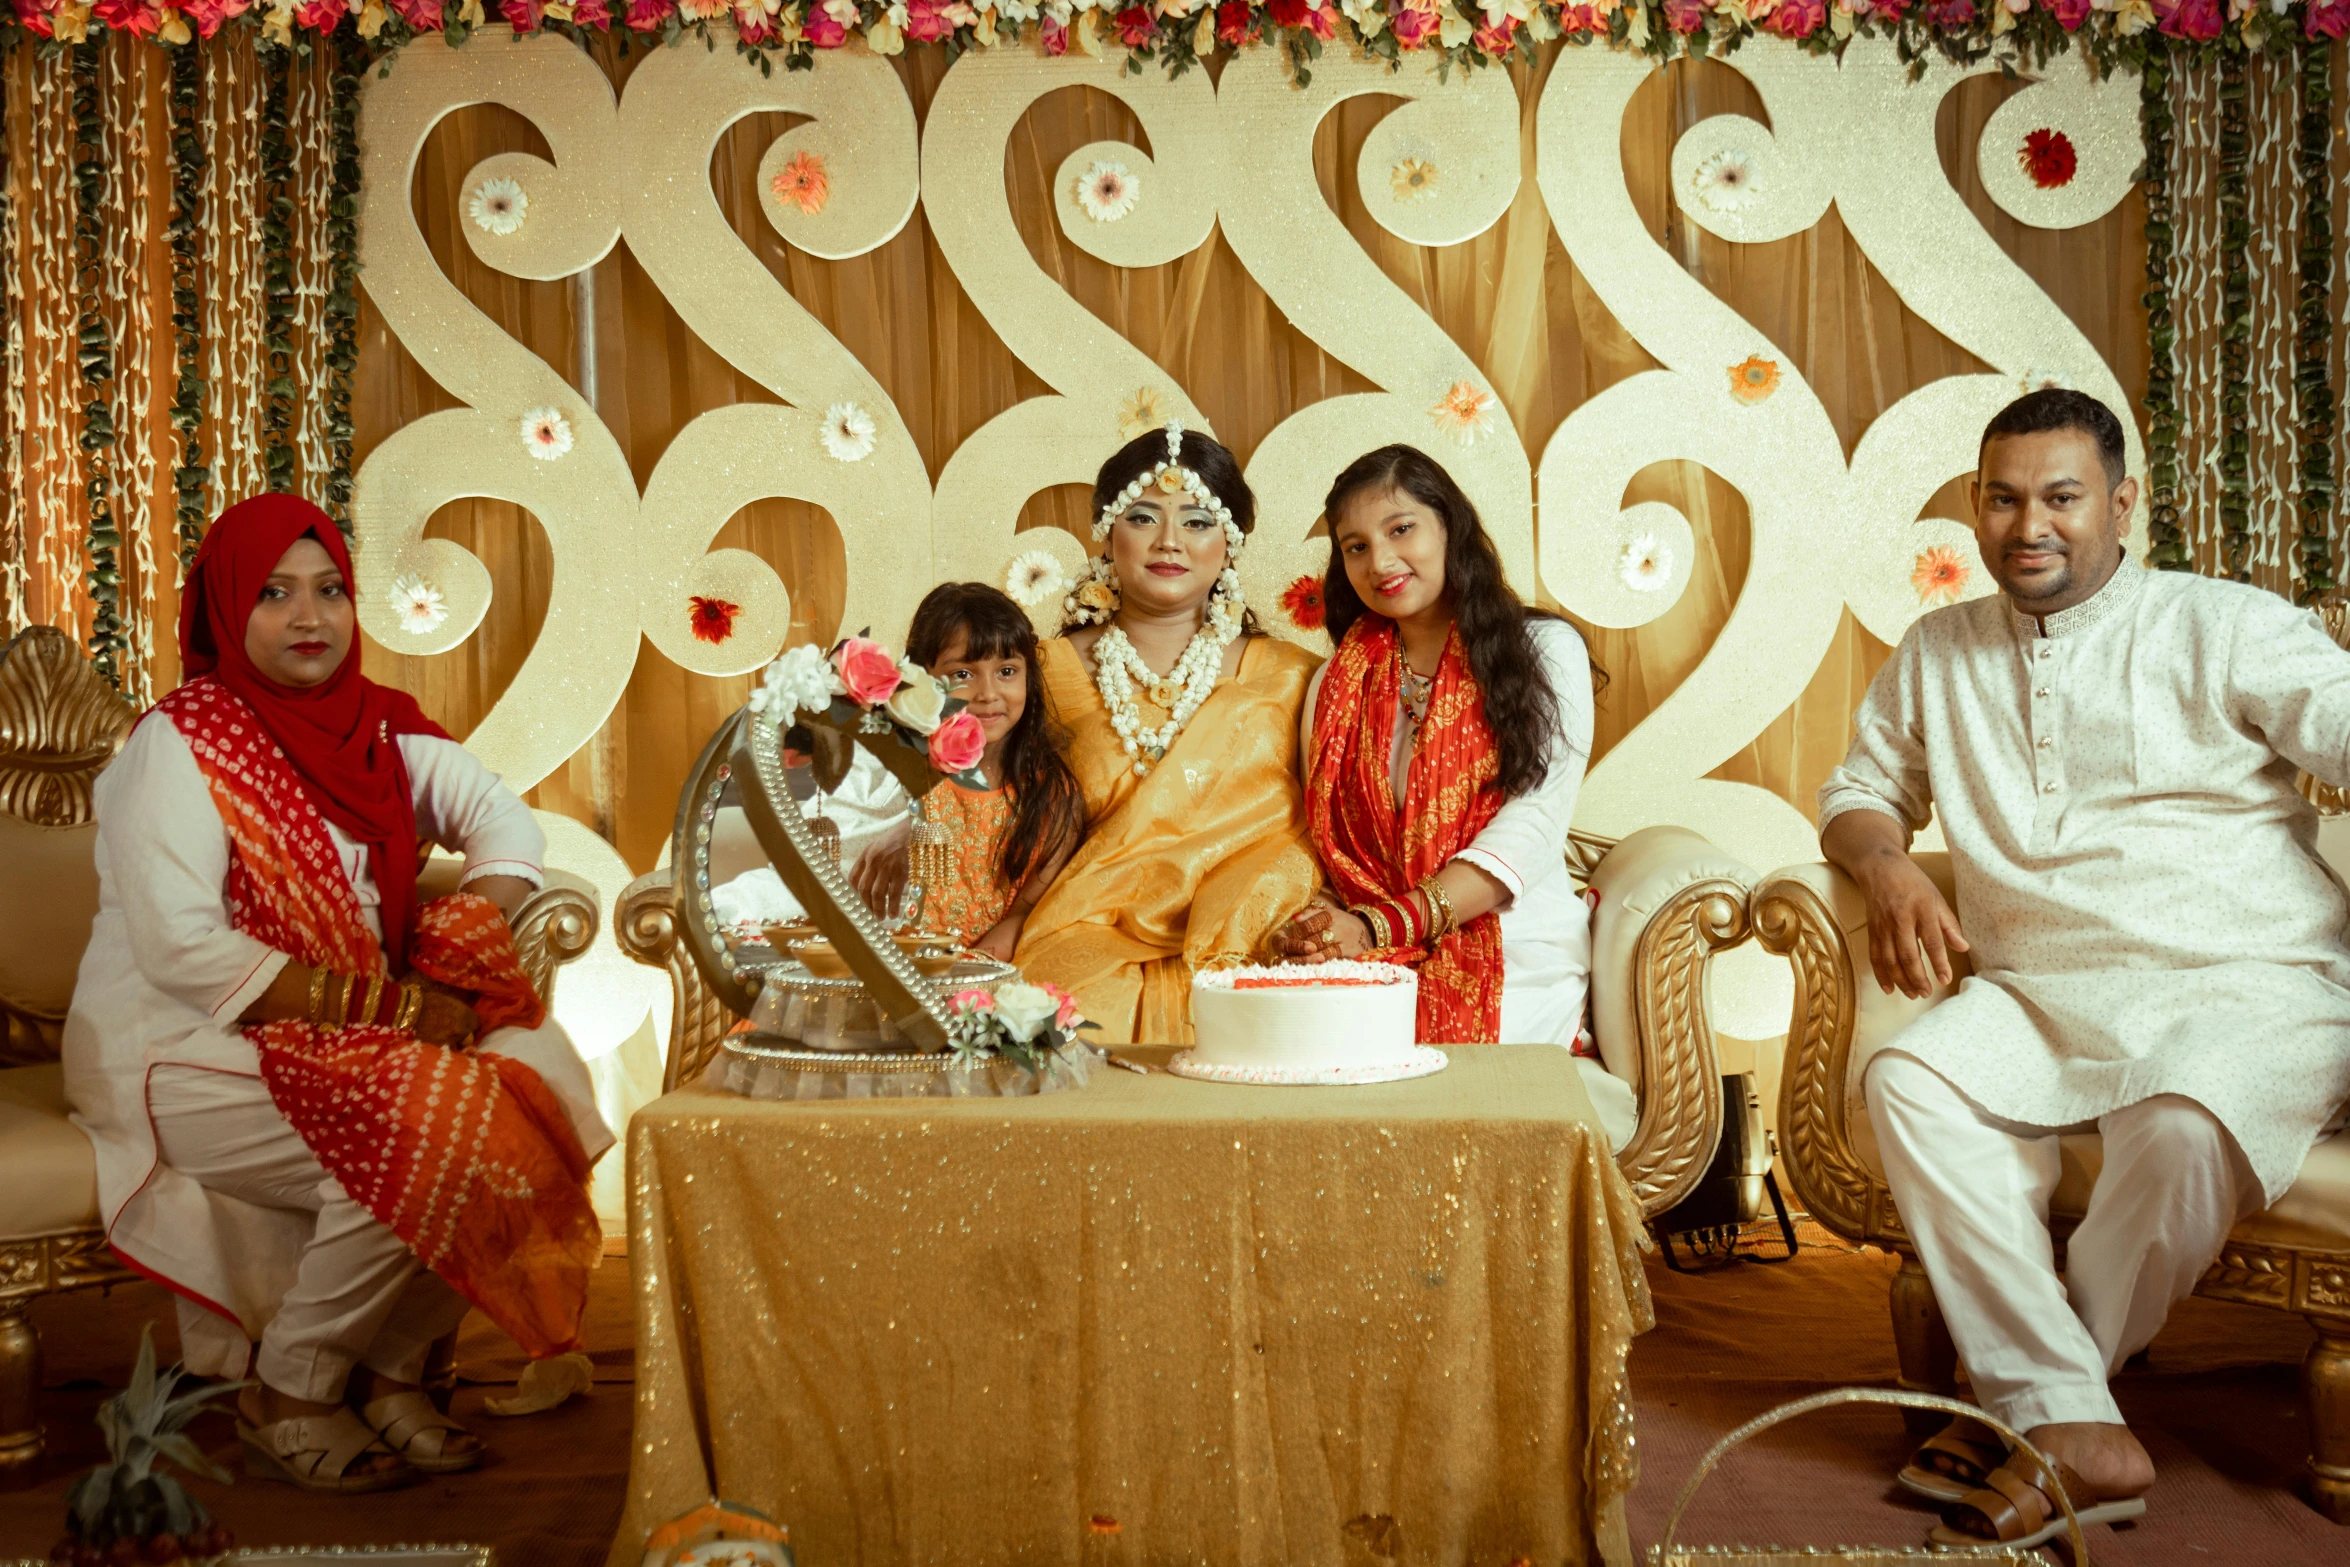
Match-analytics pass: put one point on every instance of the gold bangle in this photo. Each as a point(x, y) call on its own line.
point(411, 1003)
point(317, 1012)
point(375, 996)
point(1376, 922)
point(1440, 910)
point(343, 1004)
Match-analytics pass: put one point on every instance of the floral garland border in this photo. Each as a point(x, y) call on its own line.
point(350, 58)
point(2312, 384)
point(1177, 34)
point(278, 392)
point(2235, 318)
point(2167, 540)
point(94, 340)
point(191, 480)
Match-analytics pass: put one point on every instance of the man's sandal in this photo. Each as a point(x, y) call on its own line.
point(419, 1433)
point(2012, 1509)
point(1954, 1463)
point(316, 1452)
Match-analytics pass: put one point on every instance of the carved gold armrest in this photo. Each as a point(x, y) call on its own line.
point(1794, 917)
point(647, 921)
point(554, 926)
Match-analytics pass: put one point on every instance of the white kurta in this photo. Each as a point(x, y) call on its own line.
point(2137, 876)
point(166, 975)
point(1545, 929)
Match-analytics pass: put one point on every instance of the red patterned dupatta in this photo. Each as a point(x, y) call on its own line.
point(1372, 851)
point(466, 1156)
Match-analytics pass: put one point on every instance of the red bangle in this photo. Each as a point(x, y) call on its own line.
point(1408, 929)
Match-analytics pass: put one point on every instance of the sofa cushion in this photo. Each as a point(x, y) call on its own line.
point(48, 898)
point(48, 1175)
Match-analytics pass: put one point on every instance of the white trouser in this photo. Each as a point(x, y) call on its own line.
point(359, 1296)
point(1974, 1192)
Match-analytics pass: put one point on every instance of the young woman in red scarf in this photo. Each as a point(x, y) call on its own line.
point(1446, 739)
point(327, 1117)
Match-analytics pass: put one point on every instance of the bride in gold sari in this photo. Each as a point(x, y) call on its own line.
point(1182, 724)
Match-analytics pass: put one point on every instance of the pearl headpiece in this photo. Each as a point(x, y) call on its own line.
point(1170, 477)
point(1095, 598)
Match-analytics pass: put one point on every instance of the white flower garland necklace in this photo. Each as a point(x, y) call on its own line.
point(1119, 671)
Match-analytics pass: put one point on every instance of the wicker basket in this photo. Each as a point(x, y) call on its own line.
point(1670, 1554)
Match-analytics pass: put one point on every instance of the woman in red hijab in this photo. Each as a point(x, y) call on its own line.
point(329, 1118)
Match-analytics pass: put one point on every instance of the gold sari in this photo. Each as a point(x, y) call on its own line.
point(1201, 860)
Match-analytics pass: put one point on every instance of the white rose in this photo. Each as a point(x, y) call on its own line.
point(1024, 1008)
point(801, 681)
point(921, 703)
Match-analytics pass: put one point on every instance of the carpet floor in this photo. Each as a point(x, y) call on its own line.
point(2217, 1403)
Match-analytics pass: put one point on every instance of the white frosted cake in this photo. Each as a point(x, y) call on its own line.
point(1324, 1023)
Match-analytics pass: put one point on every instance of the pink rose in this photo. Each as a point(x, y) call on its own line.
point(752, 23)
point(2200, 20)
point(321, 16)
point(593, 14)
point(1054, 36)
point(927, 21)
point(139, 18)
point(1951, 15)
point(1067, 1016)
point(1413, 24)
point(1496, 42)
point(1685, 16)
point(972, 1000)
point(1135, 25)
point(957, 745)
point(2327, 19)
point(422, 15)
point(2070, 14)
point(1797, 18)
point(822, 29)
point(650, 16)
point(35, 14)
point(867, 673)
point(522, 15)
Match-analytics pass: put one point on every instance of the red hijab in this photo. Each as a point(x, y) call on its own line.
point(342, 735)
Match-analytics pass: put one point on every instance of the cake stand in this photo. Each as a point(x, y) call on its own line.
point(1424, 1061)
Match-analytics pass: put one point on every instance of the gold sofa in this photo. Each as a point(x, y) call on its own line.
point(1668, 902)
point(2294, 1257)
point(60, 724)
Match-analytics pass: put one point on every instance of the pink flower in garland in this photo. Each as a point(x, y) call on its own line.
point(1951, 15)
point(1685, 16)
point(822, 29)
point(208, 16)
point(1136, 26)
point(2326, 19)
point(1236, 23)
point(1796, 18)
point(423, 16)
point(752, 24)
point(139, 18)
point(594, 15)
point(1882, 10)
point(2201, 20)
point(712, 619)
point(523, 16)
point(1054, 36)
point(35, 14)
point(1497, 39)
point(649, 16)
point(1316, 19)
point(2048, 158)
point(2070, 14)
point(1578, 20)
point(321, 16)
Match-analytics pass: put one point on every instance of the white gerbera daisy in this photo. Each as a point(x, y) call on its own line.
point(848, 432)
point(1647, 564)
point(1108, 191)
point(1726, 182)
point(1035, 578)
point(2042, 380)
point(419, 605)
point(546, 434)
point(499, 206)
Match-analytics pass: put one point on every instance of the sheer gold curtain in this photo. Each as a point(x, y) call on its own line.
point(1511, 298)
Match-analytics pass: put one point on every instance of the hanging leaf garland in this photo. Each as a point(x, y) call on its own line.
point(109, 645)
point(2167, 540)
point(191, 480)
point(351, 58)
point(2235, 320)
point(2313, 391)
point(277, 269)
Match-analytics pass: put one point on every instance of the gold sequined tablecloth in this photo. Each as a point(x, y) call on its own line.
point(1149, 1321)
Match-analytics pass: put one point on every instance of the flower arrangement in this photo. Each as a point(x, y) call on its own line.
point(1177, 34)
point(861, 689)
point(1019, 1022)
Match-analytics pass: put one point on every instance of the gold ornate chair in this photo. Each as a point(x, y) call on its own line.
point(60, 724)
point(1668, 902)
point(2295, 1257)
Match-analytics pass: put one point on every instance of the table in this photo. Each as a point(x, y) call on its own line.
point(1152, 1320)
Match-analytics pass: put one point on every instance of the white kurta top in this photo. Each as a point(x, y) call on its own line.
point(2137, 876)
point(1545, 929)
point(166, 975)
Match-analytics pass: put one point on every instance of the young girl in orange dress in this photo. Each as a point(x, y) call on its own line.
point(1010, 840)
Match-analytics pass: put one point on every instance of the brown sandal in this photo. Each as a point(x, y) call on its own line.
point(2012, 1508)
point(1954, 1463)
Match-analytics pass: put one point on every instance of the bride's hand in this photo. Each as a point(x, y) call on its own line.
point(1320, 933)
point(880, 872)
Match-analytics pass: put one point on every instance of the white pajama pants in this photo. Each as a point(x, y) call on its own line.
point(360, 1297)
point(1974, 1192)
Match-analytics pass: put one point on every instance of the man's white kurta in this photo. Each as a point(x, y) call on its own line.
point(166, 976)
point(2137, 875)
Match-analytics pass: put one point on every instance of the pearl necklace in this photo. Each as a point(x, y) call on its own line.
point(1119, 671)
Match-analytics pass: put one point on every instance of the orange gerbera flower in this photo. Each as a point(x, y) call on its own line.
point(802, 182)
point(1754, 379)
point(1939, 576)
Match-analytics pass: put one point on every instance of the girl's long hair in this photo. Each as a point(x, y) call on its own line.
point(1048, 808)
point(1495, 624)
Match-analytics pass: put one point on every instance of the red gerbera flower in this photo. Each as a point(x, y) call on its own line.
point(1301, 601)
point(2048, 157)
point(713, 619)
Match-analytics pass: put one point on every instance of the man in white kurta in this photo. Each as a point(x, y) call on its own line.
point(2158, 951)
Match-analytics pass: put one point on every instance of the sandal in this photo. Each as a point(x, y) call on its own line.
point(1954, 1463)
point(2012, 1509)
point(411, 1427)
point(316, 1452)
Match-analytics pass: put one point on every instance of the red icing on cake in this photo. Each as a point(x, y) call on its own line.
point(1302, 984)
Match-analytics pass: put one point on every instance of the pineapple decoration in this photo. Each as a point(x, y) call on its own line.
point(123, 1512)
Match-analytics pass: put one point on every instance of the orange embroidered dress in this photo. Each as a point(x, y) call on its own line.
point(1372, 850)
point(975, 895)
